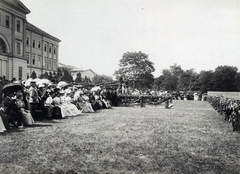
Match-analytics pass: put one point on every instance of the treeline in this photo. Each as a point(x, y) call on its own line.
point(137, 69)
point(224, 78)
point(63, 74)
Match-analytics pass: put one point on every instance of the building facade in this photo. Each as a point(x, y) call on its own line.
point(41, 51)
point(24, 48)
point(88, 73)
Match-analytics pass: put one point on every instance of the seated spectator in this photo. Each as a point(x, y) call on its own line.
point(63, 102)
point(27, 118)
point(12, 111)
point(95, 100)
point(103, 98)
point(83, 102)
point(2, 127)
point(48, 105)
point(4, 118)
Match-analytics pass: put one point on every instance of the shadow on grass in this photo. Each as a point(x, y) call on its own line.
point(38, 125)
point(48, 120)
point(12, 130)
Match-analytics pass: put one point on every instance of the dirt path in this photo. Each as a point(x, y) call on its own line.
point(189, 138)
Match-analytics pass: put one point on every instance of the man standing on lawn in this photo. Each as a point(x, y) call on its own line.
point(168, 101)
point(33, 98)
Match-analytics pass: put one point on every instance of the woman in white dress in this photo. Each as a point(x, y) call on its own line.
point(106, 103)
point(83, 102)
point(27, 119)
point(67, 108)
point(2, 127)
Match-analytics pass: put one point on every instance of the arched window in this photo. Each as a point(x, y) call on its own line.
point(2, 46)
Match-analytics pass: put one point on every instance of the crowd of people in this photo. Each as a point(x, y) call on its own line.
point(36, 99)
point(30, 102)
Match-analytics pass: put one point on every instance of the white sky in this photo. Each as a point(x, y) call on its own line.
point(199, 34)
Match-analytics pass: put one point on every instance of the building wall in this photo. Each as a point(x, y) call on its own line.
point(41, 52)
point(3, 66)
point(88, 73)
point(19, 69)
point(6, 32)
point(25, 46)
point(12, 27)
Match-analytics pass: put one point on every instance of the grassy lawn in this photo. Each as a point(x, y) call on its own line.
point(188, 138)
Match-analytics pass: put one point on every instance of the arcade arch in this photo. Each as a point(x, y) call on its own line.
point(4, 49)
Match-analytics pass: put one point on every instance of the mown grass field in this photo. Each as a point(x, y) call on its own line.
point(189, 138)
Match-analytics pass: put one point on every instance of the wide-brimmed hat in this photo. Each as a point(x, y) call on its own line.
point(68, 91)
point(61, 91)
point(33, 82)
point(41, 86)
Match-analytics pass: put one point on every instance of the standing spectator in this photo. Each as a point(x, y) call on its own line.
point(48, 105)
point(33, 98)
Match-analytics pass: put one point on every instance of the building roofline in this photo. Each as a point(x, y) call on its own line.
point(23, 8)
point(41, 32)
point(80, 70)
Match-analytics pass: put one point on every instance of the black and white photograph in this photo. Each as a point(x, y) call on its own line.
point(120, 87)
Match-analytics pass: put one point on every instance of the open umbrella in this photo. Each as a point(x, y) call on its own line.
point(68, 91)
point(28, 81)
point(95, 88)
point(62, 84)
point(43, 81)
point(12, 87)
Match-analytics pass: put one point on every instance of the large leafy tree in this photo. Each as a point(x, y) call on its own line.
point(136, 67)
point(172, 78)
point(101, 79)
point(177, 73)
point(50, 75)
point(86, 80)
point(33, 75)
point(189, 80)
point(175, 78)
point(225, 78)
point(78, 78)
point(66, 76)
point(158, 82)
point(169, 81)
point(205, 81)
point(45, 75)
point(238, 81)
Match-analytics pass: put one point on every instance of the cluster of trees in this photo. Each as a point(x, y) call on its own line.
point(224, 78)
point(97, 79)
point(64, 75)
point(102, 79)
point(138, 69)
point(61, 75)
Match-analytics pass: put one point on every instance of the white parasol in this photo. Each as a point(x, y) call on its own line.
point(62, 84)
point(95, 88)
point(43, 81)
point(28, 81)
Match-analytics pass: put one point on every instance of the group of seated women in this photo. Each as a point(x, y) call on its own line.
point(74, 101)
point(54, 103)
point(14, 111)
